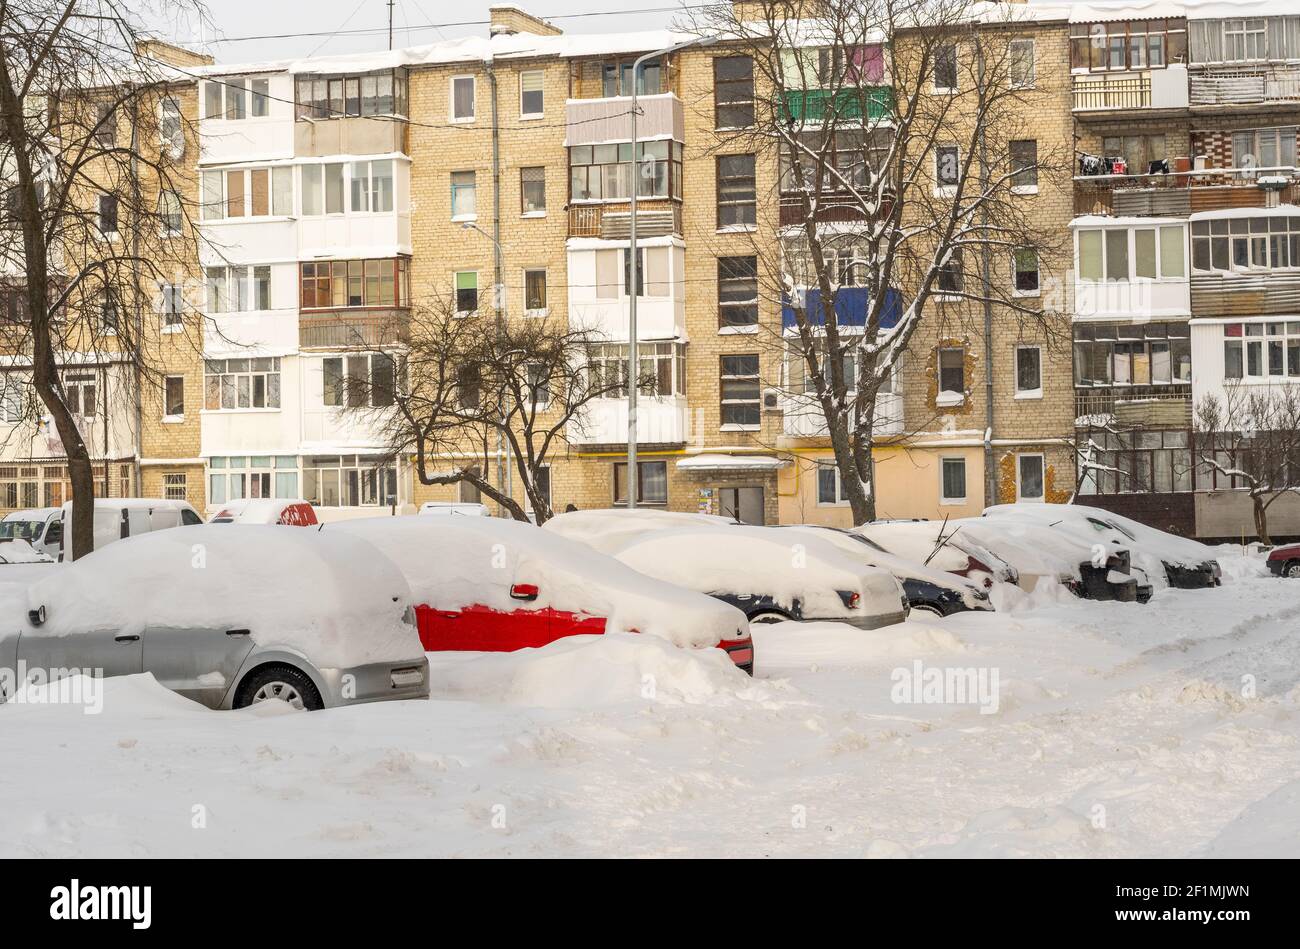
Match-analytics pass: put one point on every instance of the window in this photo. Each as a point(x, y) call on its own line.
point(952, 480)
point(1138, 151)
point(737, 291)
point(535, 291)
point(109, 315)
point(258, 192)
point(1020, 56)
point(830, 487)
point(1025, 261)
point(338, 284)
point(1128, 355)
point(329, 97)
point(1029, 477)
point(530, 93)
point(949, 277)
point(539, 385)
point(252, 383)
point(1261, 350)
point(80, 391)
point(947, 168)
point(853, 155)
point(468, 387)
point(372, 186)
point(733, 92)
point(265, 476)
point(1029, 375)
point(741, 404)
point(952, 374)
point(466, 291)
point(945, 68)
point(1246, 243)
point(108, 214)
point(532, 190)
point(322, 189)
point(212, 99)
point(230, 290)
point(171, 302)
point(604, 172)
point(171, 127)
point(464, 200)
point(1142, 461)
point(105, 134)
point(174, 485)
point(737, 195)
point(11, 402)
point(651, 482)
point(169, 213)
point(174, 396)
point(260, 89)
point(1121, 45)
point(462, 99)
point(1024, 164)
point(616, 78)
point(1262, 149)
point(652, 270)
point(1121, 254)
point(359, 380)
point(349, 481)
point(661, 369)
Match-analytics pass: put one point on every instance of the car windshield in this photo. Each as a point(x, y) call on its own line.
point(21, 530)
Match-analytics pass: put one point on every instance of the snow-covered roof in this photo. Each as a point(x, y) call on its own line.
point(1105, 220)
point(721, 462)
point(608, 529)
point(1101, 11)
point(1282, 210)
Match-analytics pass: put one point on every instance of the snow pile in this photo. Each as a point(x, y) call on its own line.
point(20, 551)
point(608, 530)
point(779, 646)
point(598, 671)
point(1238, 562)
point(758, 560)
point(454, 562)
point(332, 597)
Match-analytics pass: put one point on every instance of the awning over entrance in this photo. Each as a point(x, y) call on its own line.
point(759, 464)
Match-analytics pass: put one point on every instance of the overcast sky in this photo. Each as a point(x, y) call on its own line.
point(234, 19)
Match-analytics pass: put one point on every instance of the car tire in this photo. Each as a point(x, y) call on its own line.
point(927, 608)
point(1292, 569)
point(283, 682)
point(768, 616)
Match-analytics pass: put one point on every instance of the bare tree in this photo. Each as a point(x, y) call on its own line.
point(891, 121)
point(94, 151)
point(1251, 436)
point(468, 388)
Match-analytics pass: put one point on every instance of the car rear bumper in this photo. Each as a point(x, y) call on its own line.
point(741, 652)
point(874, 621)
point(1276, 567)
point(375, 682)
point(1199, 577)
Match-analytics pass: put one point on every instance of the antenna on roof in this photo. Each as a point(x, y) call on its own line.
point(390, 24)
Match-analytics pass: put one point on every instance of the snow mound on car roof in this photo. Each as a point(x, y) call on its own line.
point(333, 597)
point(453, 562)
point(741, 559)
point(1034, 549)
point(855, 549)
point(589, 671)
point(608, 530)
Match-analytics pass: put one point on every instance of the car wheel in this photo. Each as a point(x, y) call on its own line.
point(927, 608)
point(768, 616)
point(279, 682)
point(1292, 569)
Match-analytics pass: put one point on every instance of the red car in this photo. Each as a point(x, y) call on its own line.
point(267, 511)
point(497, 585)
point(1285, 561)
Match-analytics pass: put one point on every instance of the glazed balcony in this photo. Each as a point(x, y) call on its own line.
point(1147, 90)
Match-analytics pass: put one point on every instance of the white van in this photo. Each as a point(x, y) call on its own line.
point(42, 527)
point(119, 518)
point(455, 509)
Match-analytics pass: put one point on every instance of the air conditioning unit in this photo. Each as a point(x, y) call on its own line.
point(771, 400)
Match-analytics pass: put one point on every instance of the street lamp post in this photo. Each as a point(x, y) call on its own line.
point(499, 305)
point(634, 265)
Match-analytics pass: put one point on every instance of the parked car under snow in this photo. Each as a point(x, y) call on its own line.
point(228, 617)
point(935, 545)
point(496, 584)
point(768, 575)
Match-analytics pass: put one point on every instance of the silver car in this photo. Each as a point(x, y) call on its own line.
point(227, 616)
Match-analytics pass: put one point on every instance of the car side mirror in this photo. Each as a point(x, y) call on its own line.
point(37, 616)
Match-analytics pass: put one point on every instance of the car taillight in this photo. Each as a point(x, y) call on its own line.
point(850, 598)
point(524, 591)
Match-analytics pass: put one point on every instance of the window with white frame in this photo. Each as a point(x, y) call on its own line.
point(535, 291)
point(945, 67)
point(1260, 351)
point(532, 190)
point(462, 99)
point(531, 94)
point(741, 399)
point(1029, 371)
point(236, 98)
point(359, 380)
point(171, 304)
point(232, 290)
point(538, 378)
point(952, 480)
point(661, 369)
point(174, 396)
point(232, 478)
point(1131, 253)
point(174, 485)
point(464, 196)
point(110, 315)
point(254, 192)
point(170, 219)
point(1024, 165)
point(830, 487)
point(323, 189)
point(371, 186)
point(349, 481)
point(246, 383)
point(12, 389)
point(947, 168)
point(952, 374)
point(1020, 63)
point(1029, 477)
point(81, 391)
point(1025, 262)
point(171, 127)
point(1132, 354)
point(1249, 244)
point(1264, 150)
point(381, 93)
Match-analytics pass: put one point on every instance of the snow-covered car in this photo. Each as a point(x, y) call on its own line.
point(496, 584)
point(20, 552)
point(1284, 561)
point(119, 518)
point(927, 590)
point(935, 545)
point(770, 576)
point(454, 509)
point(1177, 561)
point(228, 618)
point(290, 512)
point(1095, 571)
point(608, 529)
point(42, 527)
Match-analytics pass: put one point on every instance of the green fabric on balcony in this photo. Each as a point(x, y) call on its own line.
point(817, 104)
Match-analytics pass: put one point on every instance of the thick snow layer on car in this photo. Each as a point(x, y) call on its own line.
point(332, 597)
point(19, 551)
point(609, 529)
point(1033, 549)
point(256, 510)
point(758, 560)
point(454, 562)
point(919, 541)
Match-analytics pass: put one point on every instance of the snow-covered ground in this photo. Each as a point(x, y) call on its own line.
point(1119, 731)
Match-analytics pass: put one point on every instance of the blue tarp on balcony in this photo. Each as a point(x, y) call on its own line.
point(851, 305)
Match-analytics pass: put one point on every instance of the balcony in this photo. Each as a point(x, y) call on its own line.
point(1263, 84)
point(1130, 406)
point(802, 416)
point(852, 305)
point(1171, 195)
point(1246, 294)
point(355, 329)
point(655, 217)
point(1149, 90)
point(815, 106)
point(599, 121)
point(660, 420)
